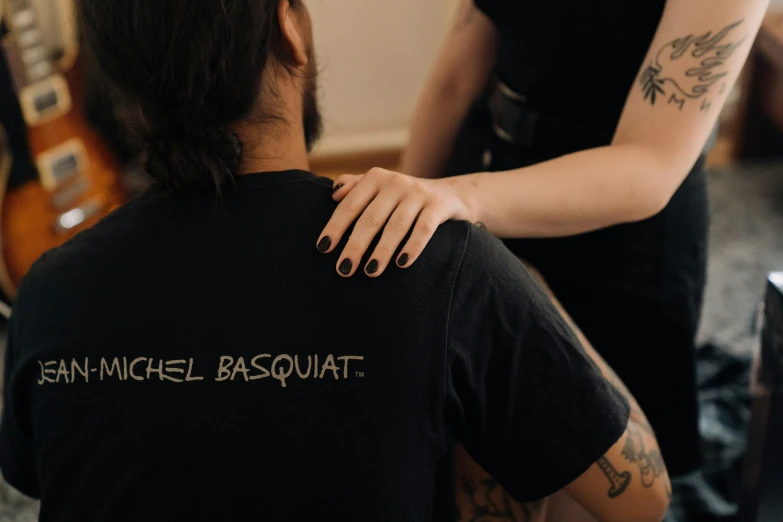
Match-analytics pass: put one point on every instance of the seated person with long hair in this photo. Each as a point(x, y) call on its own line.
point(188, 359)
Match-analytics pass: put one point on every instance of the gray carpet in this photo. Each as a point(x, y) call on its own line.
point(746, 243)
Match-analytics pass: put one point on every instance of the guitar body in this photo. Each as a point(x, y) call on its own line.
point(39, 215)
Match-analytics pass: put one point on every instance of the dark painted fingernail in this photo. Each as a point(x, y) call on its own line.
point(403, 260)
point(345, 267)
point(372, 267)
point(324, 244)
point(338, 187)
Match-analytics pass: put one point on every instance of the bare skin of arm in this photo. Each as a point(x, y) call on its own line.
point(671, 108)
point(460, 73)
point(481, 499)
point(629, 482)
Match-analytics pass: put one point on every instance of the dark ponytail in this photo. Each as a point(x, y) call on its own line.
point(198, 158)
point(184, 72)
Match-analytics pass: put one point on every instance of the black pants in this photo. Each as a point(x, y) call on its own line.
point(635, 290)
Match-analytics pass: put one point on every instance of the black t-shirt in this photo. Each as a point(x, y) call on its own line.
point(190, 358)
point(575, 60)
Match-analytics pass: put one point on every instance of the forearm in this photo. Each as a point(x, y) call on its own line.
point(577, 193)
point(440, 113)
point(684, 81)
point(459, 75)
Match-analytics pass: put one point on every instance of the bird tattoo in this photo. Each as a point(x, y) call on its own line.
point(686, 68)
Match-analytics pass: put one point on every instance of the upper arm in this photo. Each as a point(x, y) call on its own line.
point(468, 55)
point(535, 411)
point(694, 60)
point(630, 481)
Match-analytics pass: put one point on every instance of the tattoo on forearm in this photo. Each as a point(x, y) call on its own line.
point(618, 481)
point(489, 501)
point(650, 462)
point(685, 70)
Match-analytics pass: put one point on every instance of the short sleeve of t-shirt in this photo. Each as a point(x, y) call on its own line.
point(528, 404)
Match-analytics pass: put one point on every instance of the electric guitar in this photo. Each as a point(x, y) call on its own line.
point(5, 172)
point(78, 180)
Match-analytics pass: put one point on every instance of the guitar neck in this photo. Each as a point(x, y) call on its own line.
point(34, 60)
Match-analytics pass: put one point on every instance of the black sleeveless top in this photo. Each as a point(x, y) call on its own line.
point(575, 59)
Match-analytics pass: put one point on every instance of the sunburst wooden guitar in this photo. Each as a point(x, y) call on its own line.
point(78, 181)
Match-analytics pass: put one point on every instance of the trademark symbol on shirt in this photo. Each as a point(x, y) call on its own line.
point(359, 374)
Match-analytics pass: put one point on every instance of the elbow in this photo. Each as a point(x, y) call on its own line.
point(661, 500)
point(654, 187)
point(650, 504)
point(659, 504)
point(648, 205)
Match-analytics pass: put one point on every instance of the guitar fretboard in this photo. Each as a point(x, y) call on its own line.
point(33, 52)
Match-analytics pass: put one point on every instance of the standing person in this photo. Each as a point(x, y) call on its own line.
point(581, 126)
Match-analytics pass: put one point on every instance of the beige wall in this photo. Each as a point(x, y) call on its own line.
point(374, 56)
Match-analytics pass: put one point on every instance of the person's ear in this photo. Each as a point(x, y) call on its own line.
point(292, 26)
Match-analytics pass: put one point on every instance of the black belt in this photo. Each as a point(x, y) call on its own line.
point(516, 122)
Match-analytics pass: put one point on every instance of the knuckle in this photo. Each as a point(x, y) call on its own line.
point(398, 224)
point(351, 250)
point(415, 246)
point(435, 201)
point(376, 172)
point(370, 220)
point(427, 228)
point(399, 180)
point(348, 209)
point(382, 252)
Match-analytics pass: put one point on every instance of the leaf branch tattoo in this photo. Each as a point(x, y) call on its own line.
point(650, 462)
point(685, 69)
point(490, 502)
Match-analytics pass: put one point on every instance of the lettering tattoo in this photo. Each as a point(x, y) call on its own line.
point(650, 462)
point(490, 502)
point(690, 66)
point(677, 101)
point(618, 481)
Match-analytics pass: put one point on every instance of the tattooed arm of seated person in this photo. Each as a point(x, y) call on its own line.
point(480, 498)
point(629, 482)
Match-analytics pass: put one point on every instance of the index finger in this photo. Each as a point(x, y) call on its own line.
point(346, 213)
